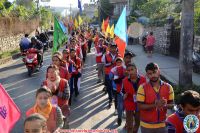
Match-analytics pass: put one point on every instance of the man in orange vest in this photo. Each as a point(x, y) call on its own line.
point(189, 105)
point(153, 99)
point(109, 62)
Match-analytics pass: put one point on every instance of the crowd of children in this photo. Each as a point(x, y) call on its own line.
point(144, 99)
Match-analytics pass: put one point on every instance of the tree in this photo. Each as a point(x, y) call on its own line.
point(186, 48)
point(136, 4)
point(197, 18)
point(5, 7)
point(25, 3)
point(106, 9)
point(156, 10)
point(46, 17)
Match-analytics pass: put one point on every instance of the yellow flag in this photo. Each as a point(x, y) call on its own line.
point(75, 23)
point(102, 27)
point(80, 21)
point(112, 31)
point(108, 30)
point(71, 19)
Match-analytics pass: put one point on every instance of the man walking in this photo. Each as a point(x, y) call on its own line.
point(150, 43)
point(154, 98)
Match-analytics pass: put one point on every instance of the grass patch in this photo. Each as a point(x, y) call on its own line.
point(9, 53)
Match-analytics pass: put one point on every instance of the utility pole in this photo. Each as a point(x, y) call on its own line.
point(99, 11)
point(186, 47)
point(37, 2)
point(70, 9)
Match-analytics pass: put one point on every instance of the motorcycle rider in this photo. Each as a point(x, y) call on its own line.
point(43, 37)
point(25, 43)
point(35, 43)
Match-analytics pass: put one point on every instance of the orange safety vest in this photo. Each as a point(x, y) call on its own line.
point(99, 50)
point(129, 102)
point(109, 59)
point(154, 116)
point(176, 121)
point(61, 102)
point(52, 120)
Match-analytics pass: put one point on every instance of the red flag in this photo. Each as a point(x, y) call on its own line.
point(9, 112)
point(121, 45)
point(106, 22)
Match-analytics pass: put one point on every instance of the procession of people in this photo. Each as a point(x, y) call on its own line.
point(143, 99)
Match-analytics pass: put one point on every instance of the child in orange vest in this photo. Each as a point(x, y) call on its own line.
point(75, 70)
point(100, 49)
point(35, 122)
point(59, 88)
point(117, 74)
point(43, 106)
point(109, 62)
point(130, 87)
point(57, 60)
point(189, 105)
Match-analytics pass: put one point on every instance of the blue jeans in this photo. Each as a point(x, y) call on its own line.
point(120, 106)
point(73, 87)
point(108, 84)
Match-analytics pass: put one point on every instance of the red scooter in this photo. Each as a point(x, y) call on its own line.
point(31, 61)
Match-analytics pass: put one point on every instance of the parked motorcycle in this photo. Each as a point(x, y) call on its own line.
point(196, 62)
point(31, 61)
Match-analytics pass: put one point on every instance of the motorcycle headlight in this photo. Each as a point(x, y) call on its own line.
point(29, 60)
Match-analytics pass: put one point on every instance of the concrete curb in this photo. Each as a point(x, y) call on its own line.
point(10, 58)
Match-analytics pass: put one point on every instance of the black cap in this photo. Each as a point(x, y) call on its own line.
point(72, 49)
point(129, 54)
point(112, 44)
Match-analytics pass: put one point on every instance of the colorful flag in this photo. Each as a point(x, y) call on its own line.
point(80, 21)
point(121, 27)
point(121, 32)
point(9, 112)
point(112, 31)
point(64, 29)
point(106, 22)
point(121, 45)
point(102, 26)
point(71, 23)
point(79, 6)
point(108, 30)
point(76, 23)
point(59, 36)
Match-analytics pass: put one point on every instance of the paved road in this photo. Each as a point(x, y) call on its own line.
point(88, 112)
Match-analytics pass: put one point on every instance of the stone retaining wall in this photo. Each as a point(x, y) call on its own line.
point(163, 42)
point(12, 30)
point(160, 34)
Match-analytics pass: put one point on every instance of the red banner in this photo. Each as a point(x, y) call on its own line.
point(9, 112)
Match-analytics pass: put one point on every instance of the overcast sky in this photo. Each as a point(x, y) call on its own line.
point(63, 3)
